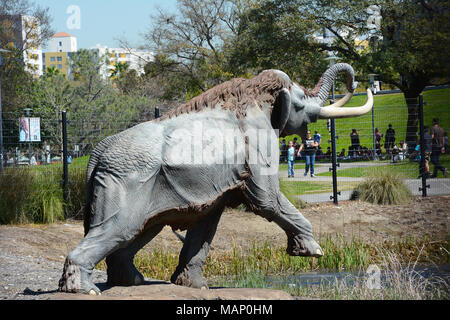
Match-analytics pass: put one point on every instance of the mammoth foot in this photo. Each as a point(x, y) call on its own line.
point(189, 278)
point(298, 246)
point(123, 274)
point(77, 279)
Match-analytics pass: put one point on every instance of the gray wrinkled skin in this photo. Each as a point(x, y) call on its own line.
point(145, 178)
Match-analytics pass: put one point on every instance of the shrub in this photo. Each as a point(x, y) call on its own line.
point(77, 191)
point(15, 188)
point(34, 194)
point(45, 203)
point(382, 187)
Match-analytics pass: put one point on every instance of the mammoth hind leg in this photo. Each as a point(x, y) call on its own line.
point(195, 250)
point(120, 267)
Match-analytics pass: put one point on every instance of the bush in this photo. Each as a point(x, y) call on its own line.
point(77, 191)
point(45, 203)
point(15, 189)
point(34, 194)
point(382, 187)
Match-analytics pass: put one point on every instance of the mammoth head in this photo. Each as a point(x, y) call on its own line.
point(296, 107)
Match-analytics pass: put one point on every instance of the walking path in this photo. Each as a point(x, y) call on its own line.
point(440, 186)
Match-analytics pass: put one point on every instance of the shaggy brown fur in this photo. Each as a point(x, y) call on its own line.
point(236, 94)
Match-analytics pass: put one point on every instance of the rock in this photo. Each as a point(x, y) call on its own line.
point(162, 290)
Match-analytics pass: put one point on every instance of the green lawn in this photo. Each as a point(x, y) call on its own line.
point(298, 165)
point(293, 188)
point(406, 169)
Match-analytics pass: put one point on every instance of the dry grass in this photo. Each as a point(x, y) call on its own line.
point(398, 281)
point(382, 187)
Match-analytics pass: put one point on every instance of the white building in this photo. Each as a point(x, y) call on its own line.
point(61, 47)
point(135, 59)
point(25, 34)
point(63, 42)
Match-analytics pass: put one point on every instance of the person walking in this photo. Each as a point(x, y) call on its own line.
point(354, 138)
point(310, 148)
point(389, 139)
point(437, 147)
point(291, 159)
point(428, 149)
point(378, 137)
point(317, 137)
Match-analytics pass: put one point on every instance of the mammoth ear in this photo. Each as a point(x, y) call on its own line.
point(281, 110)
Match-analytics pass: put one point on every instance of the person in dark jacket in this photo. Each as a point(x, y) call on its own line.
point(437, 146)
point(310, 147)
point(355, 147)
point(389, 139)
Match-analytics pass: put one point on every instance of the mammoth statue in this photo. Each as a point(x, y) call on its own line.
point(219, 149)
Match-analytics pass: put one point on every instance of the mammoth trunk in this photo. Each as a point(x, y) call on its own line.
point(329, 76)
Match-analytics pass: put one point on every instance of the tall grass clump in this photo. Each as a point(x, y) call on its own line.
point(45, 202)
point(77, 193)
point(382, 187)
point(15, 189)
point(35, 194)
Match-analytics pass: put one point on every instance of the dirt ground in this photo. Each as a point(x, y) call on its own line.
point(373, 223)
point(28, 249)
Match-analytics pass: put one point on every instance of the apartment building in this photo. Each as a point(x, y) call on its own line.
point(135, 59)
point(61, 47)
point(24, 34)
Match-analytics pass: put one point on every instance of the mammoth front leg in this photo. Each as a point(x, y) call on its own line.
point(265, 198)
point(298, 230)
point(195, 251)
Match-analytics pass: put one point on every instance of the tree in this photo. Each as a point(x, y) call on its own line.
point(413, 52)
point(52, 94)
point(99, 109)
point(16, 81)
point(24, 36)
point(408, 50)
point(189, 44)
point(271, 36)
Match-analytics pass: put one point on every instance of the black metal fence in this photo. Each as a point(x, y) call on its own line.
point(370, 144)
point(363, 146)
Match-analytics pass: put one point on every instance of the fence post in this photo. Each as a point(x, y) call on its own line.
point(334, 163)
point(422, 150)
point(157, 113)
point(65, 163)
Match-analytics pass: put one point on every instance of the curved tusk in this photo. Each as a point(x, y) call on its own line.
point(334, 112)
point(342, 101)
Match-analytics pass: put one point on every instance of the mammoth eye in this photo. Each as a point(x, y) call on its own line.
point(298, 106)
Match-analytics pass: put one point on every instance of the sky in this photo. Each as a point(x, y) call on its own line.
point(102, 21)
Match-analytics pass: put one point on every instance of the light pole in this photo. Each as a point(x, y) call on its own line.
point(1, 119)
point(334, 163)
point(372, 88)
